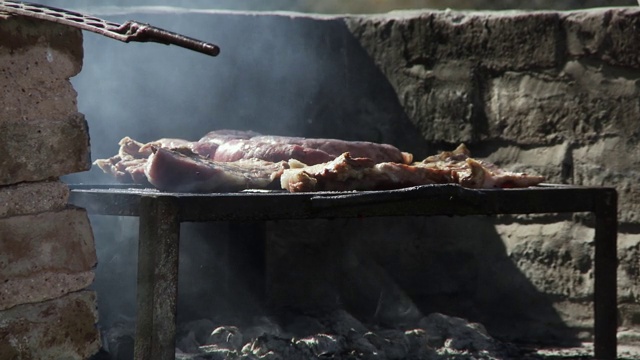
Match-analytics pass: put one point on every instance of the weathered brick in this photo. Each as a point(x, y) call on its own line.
point(446, 100)
point(19, 34)
point(553, 162)
point(580, 103)
point(31, 198)
point(612, 161)
point(605, 34)
point(500, 40)
point(44, 256)
point(37, 58)
point(41, 149)
point(64, 328)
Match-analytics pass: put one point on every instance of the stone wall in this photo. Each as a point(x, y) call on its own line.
point(47, 253)
point(555, 93)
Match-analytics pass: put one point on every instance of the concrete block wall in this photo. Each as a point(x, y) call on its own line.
point(554, 93)
point(47, 253)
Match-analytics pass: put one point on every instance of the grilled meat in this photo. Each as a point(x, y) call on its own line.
point(348, 173)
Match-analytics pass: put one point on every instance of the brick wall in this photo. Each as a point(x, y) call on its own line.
point(47, 254)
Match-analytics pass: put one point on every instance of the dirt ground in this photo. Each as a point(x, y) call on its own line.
point(625, 352)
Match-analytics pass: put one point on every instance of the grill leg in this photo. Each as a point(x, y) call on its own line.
point(606, 262)
point(157, 279)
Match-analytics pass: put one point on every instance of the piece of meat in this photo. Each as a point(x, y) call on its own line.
point(132, 148)
point(346, 173)
point(208, 144)
point(334, 147)
point(183, 171)
point(125, 169)
point(167, 143)
point(234, 150)
point(221, 136)
point(478, 174)
point(138, 150)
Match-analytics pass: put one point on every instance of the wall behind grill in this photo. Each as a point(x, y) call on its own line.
point(47, 252)
point(547, 92)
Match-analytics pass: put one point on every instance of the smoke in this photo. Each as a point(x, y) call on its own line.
point(276, 75)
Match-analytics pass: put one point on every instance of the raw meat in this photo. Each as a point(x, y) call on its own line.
point(184, 171)
point(357, 149)
point(238, 149)
point(124, 169)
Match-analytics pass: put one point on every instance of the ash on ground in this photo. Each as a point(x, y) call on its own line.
point(335, 336)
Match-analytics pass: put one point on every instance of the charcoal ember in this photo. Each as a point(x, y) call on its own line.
point(341, 322)
point(228, 337)
point(418, 345)
point(456, 333)
point(219, 352)
point(201, 329)
point(264, 326)
point(391, 342)
point(187, 343)
point(322, 344)
point(303, 326)
point(398, 344)
point(270, 347)
point(361, 348)
point(206, 356)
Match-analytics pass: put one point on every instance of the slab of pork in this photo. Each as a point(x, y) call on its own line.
point(183, 171)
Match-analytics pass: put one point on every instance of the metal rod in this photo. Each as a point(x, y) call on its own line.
point(169, 37)
point(605, 273)
point(159, 238)
point(127, 32)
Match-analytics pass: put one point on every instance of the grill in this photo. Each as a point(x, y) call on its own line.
point(161, 213)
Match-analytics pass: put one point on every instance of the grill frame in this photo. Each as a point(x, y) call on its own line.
point(161, 213)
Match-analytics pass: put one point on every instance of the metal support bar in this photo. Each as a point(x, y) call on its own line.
point(605, 273)
point(157, 278)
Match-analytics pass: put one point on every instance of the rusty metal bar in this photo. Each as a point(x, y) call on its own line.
point(419, 201)
point(127, 32)
point(157, 278)
point(605, 274)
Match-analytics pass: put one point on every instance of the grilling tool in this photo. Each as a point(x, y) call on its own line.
point(127, 32)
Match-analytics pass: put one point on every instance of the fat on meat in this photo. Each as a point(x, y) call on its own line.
point(184, 171)
point(334, 147)
point(238, 149)
point(208, 144)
